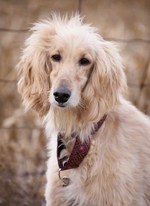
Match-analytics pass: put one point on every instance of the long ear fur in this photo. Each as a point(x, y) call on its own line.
point(34, 69)
point(108, 79)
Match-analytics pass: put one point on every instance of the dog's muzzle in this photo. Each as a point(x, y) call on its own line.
point(62, 95)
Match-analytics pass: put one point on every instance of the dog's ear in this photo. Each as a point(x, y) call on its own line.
point(108, 78)
point(34, 69)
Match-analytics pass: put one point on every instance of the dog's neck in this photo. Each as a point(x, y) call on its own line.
point(80, 121)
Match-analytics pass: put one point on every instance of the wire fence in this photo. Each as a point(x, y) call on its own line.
point(118, 40)
point(27, 174)
point(132, 40)
point(21, 31)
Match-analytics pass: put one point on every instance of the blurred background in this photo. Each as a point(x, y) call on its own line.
point(22, 140)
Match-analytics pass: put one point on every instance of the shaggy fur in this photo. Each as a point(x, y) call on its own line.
point(116, 171)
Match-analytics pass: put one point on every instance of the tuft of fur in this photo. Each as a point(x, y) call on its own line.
point(116, 171)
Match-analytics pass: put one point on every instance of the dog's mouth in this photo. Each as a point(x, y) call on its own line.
point(62, 105)
point(65, 105)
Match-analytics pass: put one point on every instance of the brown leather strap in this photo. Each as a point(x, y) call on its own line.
point(79, 151)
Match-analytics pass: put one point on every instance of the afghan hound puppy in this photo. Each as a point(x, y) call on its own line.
point(98, 142)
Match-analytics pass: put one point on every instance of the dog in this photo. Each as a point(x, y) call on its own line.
point(98, 142)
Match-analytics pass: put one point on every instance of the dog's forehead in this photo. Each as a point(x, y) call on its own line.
point(73, 41)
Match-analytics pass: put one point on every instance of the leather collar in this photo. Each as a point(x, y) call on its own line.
point(79, 151)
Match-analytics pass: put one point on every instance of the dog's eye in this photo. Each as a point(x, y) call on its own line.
point(56, 57)
point(84, 62)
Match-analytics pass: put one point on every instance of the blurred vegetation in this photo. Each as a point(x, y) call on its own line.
point(22, 140)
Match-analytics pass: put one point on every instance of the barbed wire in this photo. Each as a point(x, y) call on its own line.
point(133, 40)
point(129, 84)
point(27, 174)
point(7, 81)
point(21, 128)
point(13, 30)
point(80, 6)
point(147, 41)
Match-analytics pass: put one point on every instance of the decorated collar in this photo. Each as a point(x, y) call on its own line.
point(80, 149)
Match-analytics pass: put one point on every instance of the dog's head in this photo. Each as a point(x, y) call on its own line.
point(66, 64)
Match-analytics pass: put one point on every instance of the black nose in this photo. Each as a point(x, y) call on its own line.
point(62, 94)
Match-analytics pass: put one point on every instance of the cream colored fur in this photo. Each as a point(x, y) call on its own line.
point(116, 171)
